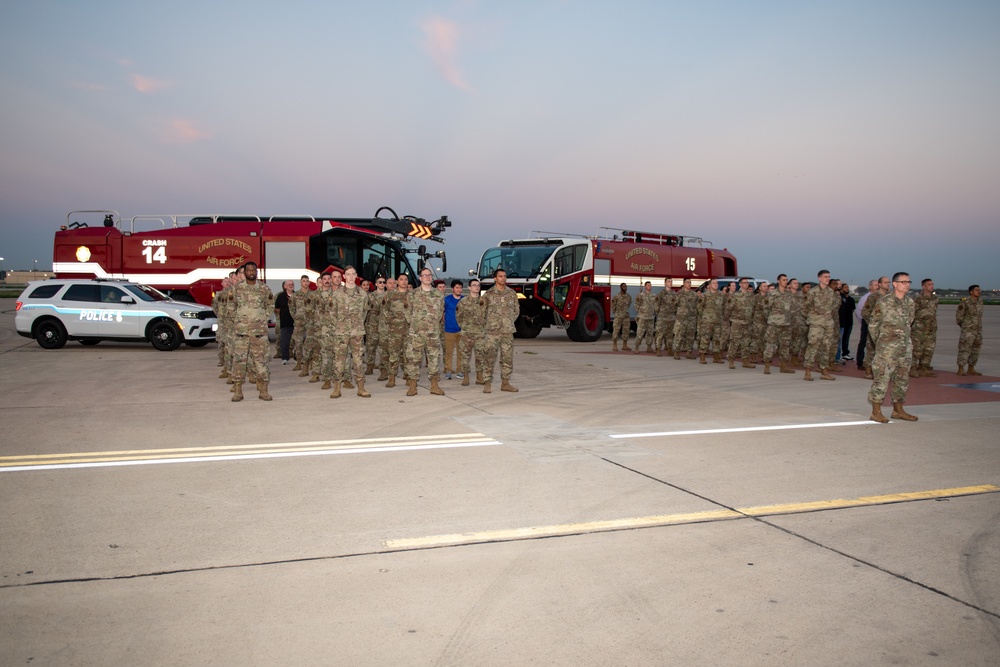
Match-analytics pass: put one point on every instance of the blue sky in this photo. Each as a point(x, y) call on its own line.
point(856, 136)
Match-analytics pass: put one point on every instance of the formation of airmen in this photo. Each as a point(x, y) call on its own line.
point(800, 324)
point(344, 329)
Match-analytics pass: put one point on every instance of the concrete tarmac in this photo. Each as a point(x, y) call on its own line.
point(620, 509)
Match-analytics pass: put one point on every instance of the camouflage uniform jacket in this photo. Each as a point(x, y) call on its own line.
point(374, 317)
point(970, 313)
point(254, 304)
point(350, 306)
point(501, 309)
point(666, 304)
point(687, 304)
point(425, 311)
point(710, 307)
point(620, 304)
point(866, 310)
point(471, 318)
point(645, 306)
point(781, 306)
point(395, 310)
point(324, 323)
point(820, 303)
point(925, 313)
point(741, 306)
point(890, 323)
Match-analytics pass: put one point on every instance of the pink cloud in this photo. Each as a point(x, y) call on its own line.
point(441, 43)
point(145, 84)
point(183, 131)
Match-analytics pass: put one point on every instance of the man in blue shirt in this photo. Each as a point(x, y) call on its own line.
point(452, 332)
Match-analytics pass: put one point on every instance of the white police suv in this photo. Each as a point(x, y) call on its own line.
point(54, 311)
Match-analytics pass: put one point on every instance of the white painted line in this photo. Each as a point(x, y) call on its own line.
point(238, 457)
point(745, 429)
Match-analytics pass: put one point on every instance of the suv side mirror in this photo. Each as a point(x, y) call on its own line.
point(127, 299)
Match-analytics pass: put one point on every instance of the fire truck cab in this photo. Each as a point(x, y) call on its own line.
point(568, 281)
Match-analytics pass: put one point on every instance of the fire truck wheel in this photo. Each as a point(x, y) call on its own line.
point(526, 330)
point(50, 334)
point(165, 336)
point(589, 323)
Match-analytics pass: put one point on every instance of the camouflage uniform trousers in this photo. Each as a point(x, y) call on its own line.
point(726, 335)
point(394, 344)
point(970, 341)
point(417, 345)
point(372, 345)
point(643, 332)
point(298, 342)
point(251, 354)
point(328, 357)
point(310, 348)
point(819, 344)
point(891, 363)
point(924, 343)
point(710, 334)
point(621, 328)
point(344, 349)
point(664, 339)
point(758, 330)
point(739, 341)
point(221, 344)
point(869, 352)
point(834, 342)
point(799, 338)
point(778, 339)
point(684, 331)
point(502, 344)
point(468, 344)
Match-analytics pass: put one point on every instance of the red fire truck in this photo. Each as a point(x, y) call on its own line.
point(568, 281)
point(187, 256)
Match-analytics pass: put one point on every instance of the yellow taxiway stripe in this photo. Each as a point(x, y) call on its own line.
point(234, 452)
point(674, 519)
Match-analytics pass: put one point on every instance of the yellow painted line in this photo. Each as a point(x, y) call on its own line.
point(455, 539)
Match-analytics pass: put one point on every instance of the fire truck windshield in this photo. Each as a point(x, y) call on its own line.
point(521, 261)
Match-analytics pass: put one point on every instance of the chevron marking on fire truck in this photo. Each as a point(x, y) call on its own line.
point(420, 231)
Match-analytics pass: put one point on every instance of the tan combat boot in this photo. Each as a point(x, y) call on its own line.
point(926, 372)
point(336, 390)
point(479, 377)
point(717, 358)
point(383, 374)
point(370, 370)
point(972, 370)
point(411, 387)
point(465, 378)
point(326, 385)
point(262, 391)
point(825, 374)
point(237, 392)
point(914, 372)
point(748, 363)
point(435, 387)
point(961, 370)
point(348, 384)
point(659, 352)
point(808, 377)
point(677, 356)
point(701, 358)
point(614, 345)
point(767, 368)
point(625, 347)
point(361, 389)
point(732, 364)
point(314, 378)
point(305, 370)
point(505, 385)
point(899, 413)
point(224, 374)
point(785, 368)
point(298, 365)
point(487, 387)
point(877, 415)
point(868, 373)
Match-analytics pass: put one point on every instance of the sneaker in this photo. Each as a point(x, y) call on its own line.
point(284, 361)
point(447, 376)
point(847, 357)
point(460, 376)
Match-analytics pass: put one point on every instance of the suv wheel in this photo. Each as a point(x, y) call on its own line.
point(50, 334)
point(165, 336)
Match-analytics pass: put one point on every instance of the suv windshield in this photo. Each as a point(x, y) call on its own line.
point(518, 261)
point(146, 293)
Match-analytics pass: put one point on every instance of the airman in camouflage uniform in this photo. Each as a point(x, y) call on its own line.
point(217, 307)
point(350, 308)
point(472, 320)
point(326, 332)
point(710, 305)
point(424, 312)
point(969, 317)
point(311, 355)
point(799, 329)
point(397, 319)
point(226, 315)
point(727, 325)
point(924, 333)
point(834, 345)
point(779, 327)
point(687, 320)
point(372, 321)
point(666, 317)
point(741, 307)
point(500, 304)
point(820, 301)
point(383, 330)
point(890, 327)
point(645, 313)
point(621, 320)
point(866, 312)
point(251, 349)
point(298, 310)
point(758, 327)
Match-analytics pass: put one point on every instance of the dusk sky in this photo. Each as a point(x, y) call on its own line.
point(862, 137)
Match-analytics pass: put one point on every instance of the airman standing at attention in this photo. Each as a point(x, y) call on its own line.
point(397, 319)
point(326, 332)
point(758, 327)
point(820, 302)
point(969, 316)
point(472, 320)
point(778, 338)
point(383, 330)
point(710, 305)
point(645, 311)
point(350, 307)
point(254, 303)
point(621, 320)
point(297, 306)
point(372, 321)
point(799, 331)
point(741, 306)
point(217, 306)
point(687, 320)
point(311, 354)
point(890, 327)
point(502, 309)
point(866, 311)
point(666, 317)
point(924, 331)
point(424, 312)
